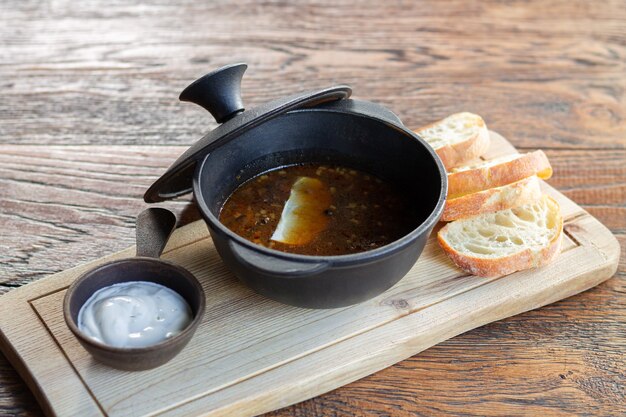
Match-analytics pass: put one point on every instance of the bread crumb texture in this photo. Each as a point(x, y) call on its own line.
point(453, 129)
point(496, 235)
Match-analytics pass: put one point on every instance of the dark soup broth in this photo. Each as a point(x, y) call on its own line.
point(315, 209)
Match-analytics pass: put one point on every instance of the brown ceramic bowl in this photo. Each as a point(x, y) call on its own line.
point(135, 269)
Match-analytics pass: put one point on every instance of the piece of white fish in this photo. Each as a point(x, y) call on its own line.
point(304, 216)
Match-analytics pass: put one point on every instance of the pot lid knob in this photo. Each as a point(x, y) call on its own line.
point(219, 92)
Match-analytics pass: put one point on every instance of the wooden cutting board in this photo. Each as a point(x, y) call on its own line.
point(252, 355)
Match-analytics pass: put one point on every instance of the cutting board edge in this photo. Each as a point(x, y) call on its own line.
point(30, 374)
point(26, 374)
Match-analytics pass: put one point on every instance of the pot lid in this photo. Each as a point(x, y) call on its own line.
point(219, 92)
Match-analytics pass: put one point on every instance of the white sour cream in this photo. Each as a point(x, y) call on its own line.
point(134, 314)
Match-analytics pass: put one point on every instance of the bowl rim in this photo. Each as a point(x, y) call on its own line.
point(187, 332)
point(336, 260)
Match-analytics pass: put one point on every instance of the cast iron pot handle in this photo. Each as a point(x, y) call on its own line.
point(154, 227)
point(275, 266)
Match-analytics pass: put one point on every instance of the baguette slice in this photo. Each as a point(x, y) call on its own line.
point(497, 172)
point(497, 244)
point(512, 195)
point(457, 139)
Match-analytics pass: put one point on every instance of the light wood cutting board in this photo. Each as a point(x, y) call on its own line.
point(252, 355)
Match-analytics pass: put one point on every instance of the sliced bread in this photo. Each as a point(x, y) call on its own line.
point(497, 172)
point(497, 244)
point(458, 138)
point(507, 196)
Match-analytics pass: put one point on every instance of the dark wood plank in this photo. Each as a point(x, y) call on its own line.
point(15, 398)
point(594, 180)
point(61, 206)
point(89, 72)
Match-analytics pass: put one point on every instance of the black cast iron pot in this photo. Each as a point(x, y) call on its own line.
point(321, 126)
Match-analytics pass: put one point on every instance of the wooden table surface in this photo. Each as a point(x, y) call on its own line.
point(89, 117)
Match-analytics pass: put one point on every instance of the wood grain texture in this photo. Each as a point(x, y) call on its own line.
point(55, 197)
point(546, 74)
point(92, 72)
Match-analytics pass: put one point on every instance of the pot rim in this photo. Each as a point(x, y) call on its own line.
point(175, 340)
point(336, 260)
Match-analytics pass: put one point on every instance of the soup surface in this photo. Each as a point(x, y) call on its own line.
point(315, 209)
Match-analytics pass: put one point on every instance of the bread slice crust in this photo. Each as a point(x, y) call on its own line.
point(455, 153)
point(497, 173)
point(525, 258)
point(507, 196)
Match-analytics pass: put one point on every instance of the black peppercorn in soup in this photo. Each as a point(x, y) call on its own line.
point(315, 209)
